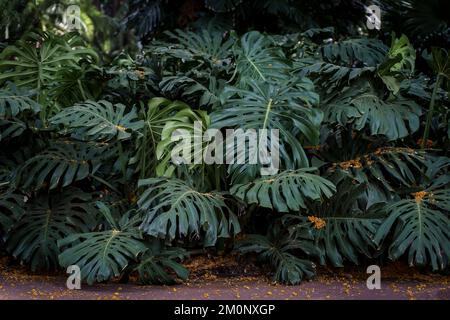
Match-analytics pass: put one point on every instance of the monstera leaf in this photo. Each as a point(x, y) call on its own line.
point(340, 228)
point(105, 254)
point(329, 76)
point(157, 260)
point(387, 167)
point(11, 128)
point(99, 121)
point(394, 118)
point(181, 125)
point(420, 227)
point(206, 93)
point(172, 208)
point(157, 113)
point(369, 52)
point(259, 60)
point(59, 166)
point(144, 16)
point(36, 66)
point(14, 101)
point(399, 64)
point(286, 107)
point(403, 48)
point(281, 252)
point(207, 46)
point(48, 218)
point(11, 209)
point(285, 191)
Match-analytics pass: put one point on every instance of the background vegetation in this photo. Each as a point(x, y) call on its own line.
point(85, 122)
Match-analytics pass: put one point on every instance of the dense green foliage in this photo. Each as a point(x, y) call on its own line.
point(86, 118)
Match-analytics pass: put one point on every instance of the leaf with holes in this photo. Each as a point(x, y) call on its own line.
point(419, 228)
point(100, 120)
point(286, 191)
point(172, 208)
point(47, 219)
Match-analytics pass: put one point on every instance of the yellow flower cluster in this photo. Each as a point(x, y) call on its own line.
point(419, 196)
point(318, 223)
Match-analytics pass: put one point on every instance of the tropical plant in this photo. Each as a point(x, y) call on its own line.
point(279, 250)
point(89, 122)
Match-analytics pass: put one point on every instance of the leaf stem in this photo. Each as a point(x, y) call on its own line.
point(430, 111)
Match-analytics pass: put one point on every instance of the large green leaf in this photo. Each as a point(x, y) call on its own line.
point(205, 92)
point(259, 60)
point(11, 208)
point(419, 229)
point(11, 128)
point(60, 166)
point(399, 63)
point(369, 52)
point(14, 101)
point(172, 208)
point(48, 218)
point(394, 118)
point(36, 66)
point(181, 125)
point(281, 252)
point(105, 254)
point(154, 264)
point(329, 76)
point(387, 167)
point(100, 120)
point(286, 191)
point(208, 46)
point(286, 107)
point(157, 114)
point(340, 228)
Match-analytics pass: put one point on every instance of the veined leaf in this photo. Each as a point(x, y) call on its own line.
point(370, 52)
point(105, 254)
point(174, 208)
point(389, 166)
point(157, 260)
point(157, 113)
point(36, 66)
point(11, 209)
point(287, 107)
point(47, 219)
point(11, 128)
point(279, 250)
point(258, 60)
point(419, 228)
point(206, 45)
point(99, 120)
point(286, 191)
point(340, 229)
point(394, 118)
point(207, 94)
point(59, 166)
point(182, 124)
point(328, 75)
point(14, 101)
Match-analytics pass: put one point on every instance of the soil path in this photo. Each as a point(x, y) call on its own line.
point(206, 282)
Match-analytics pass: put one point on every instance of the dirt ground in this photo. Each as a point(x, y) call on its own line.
point(219, 278)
